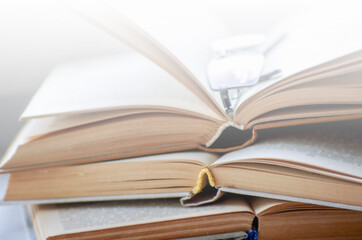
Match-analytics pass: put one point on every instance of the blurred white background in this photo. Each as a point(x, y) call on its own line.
point(36, 35)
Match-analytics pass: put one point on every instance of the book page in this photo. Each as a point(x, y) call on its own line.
point(259, 205)
point(185, 28)
point(109, 83)
point(317, 36)
point(45, 125)
point(312, 41)
point(164, 35)
point(204, 157)
point(332, 149)
point(267, 206)
point(78, 217)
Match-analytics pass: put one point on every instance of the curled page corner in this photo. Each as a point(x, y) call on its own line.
point(221, 129)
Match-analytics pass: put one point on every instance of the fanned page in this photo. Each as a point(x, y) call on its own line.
point(186, 32)
point(267, 206)
point(312, 47)
point(176, 37)
point(125, 83)
point(82, 217)
point(293, 220)
point(331, 149)
point(337, 96)
point(95, 95)
point(164, 175)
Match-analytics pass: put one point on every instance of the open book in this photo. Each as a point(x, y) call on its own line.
point(128, 106)
point(166, 219)
point(318, 163)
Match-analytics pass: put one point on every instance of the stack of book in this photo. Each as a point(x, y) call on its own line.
point(272, 152)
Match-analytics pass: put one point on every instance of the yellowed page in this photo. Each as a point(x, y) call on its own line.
point(79, 217)
point(322, 92)
point(46, 125)
point(331, 149)
point(109, 83)
point(154, 174)
point(267, 206)
point(204, 157)
point(260, 205)
point(307, 112)
point(317, 96)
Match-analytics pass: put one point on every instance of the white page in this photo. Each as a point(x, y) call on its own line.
point(116, 82)
point(67, 218)
point(135, 24)
point(332, 149)
point(314, 37)
point(318, 36)
point(185, 28)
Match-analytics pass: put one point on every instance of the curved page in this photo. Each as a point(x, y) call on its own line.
point(177, 44)
point(109, 83)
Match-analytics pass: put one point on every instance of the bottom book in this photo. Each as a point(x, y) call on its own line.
point(230, 217)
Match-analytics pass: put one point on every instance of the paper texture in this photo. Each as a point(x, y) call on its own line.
point(205, 158)
point(312, 43)
point(128, 81)
point(144, 40)
point(290, 198)
point(331, 149)
point(77, 217)
point(98, 198)
point(187, 38)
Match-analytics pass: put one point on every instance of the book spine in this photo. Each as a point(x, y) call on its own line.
point(252, 234)
point(220, 130)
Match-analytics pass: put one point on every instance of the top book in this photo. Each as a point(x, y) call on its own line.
point(133, 105)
